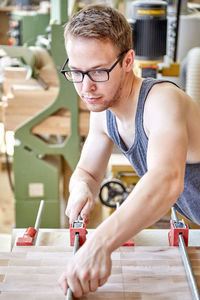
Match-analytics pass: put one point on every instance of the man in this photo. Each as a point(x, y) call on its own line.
point(155, 124)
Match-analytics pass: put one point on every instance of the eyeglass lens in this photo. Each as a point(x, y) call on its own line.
point(76, 76)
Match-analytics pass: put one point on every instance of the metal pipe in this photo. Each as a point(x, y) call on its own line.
point(38, 220)
point(76, 243)
point(173, 214)
point(39, 214)
point(186, 261)
point(178, 10)
point(69, 295)
point(188, 269)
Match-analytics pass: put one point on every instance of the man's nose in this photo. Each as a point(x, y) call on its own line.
point(88, 84)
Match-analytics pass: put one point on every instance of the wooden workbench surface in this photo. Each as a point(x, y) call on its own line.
point(151, 272)
point(140, 272)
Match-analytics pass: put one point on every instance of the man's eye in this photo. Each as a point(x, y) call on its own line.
point(98, 72)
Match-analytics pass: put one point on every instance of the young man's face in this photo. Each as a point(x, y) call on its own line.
point(90, 54)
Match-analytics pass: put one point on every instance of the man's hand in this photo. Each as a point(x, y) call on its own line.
point(81, 201)
point(87, 270)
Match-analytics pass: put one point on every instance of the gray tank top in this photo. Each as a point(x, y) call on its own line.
point(188, 204)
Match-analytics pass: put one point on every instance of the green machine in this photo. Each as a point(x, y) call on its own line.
point(37, 163)
point(25, 26)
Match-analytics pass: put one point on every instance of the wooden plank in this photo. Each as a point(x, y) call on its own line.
point(26, 104)
point(154, 272)
point(26, 98)
point(61, 125)
point(147, 237)
point(4, 27)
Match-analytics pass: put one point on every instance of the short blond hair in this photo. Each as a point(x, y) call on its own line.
point(100, 22)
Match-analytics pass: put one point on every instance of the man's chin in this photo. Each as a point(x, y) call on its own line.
point(95, 107)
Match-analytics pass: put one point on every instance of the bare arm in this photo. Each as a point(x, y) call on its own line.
point(160, 187)
point(152, 197)
point(89, 173)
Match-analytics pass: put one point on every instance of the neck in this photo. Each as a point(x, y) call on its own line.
point(129, 97)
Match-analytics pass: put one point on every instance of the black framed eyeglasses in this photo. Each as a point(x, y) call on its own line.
point(97, 75)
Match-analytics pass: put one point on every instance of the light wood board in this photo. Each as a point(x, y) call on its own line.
point(153, 272)
point(24, 98)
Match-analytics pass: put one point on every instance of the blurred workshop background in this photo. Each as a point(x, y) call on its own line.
point(43, 123)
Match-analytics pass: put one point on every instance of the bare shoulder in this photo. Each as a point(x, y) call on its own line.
point(171, 114)
point(166, 102)
point(167, 93)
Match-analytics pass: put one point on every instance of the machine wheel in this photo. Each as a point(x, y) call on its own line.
point(111, 192)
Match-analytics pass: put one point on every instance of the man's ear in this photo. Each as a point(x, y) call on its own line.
point(129, 60)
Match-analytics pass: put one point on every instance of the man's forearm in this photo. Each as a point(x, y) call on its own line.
point(82, 176)
point(149, 201)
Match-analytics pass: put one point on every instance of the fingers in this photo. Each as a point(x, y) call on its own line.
point(73, 283)
point(79, 203)
point(62, 281)
point(93, 285)
point(102, 281)
point(85, 213)
point(84, 280)
point(75, 286)
point(79, 286)
point(73, 208)
point(88, 282)
point(88, 268)
point(74, 212)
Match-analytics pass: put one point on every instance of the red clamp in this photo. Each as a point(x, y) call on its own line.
point(129, 243)
point(28, 237)
point(80, 228)
point(178, 227)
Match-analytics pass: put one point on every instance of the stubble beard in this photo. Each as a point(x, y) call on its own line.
point(104, 105)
